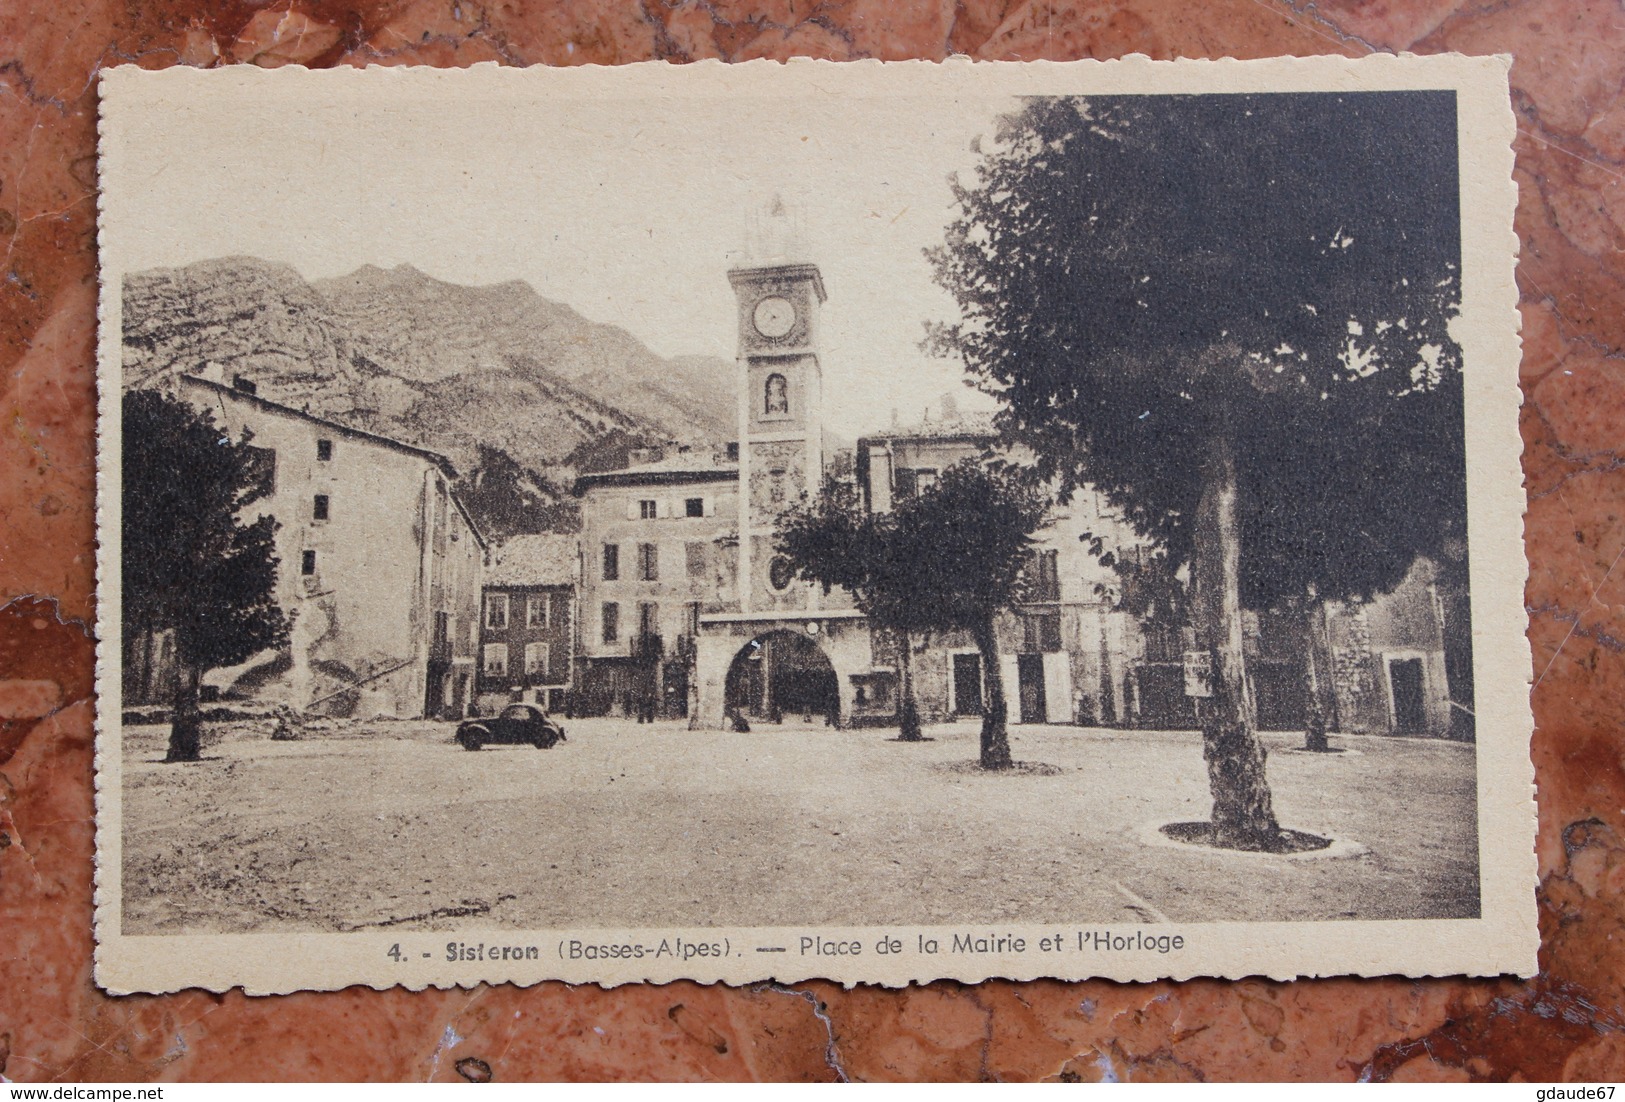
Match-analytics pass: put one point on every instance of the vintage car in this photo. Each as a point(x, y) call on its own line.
point(521, 724)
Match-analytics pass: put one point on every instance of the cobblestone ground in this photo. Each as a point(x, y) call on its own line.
point(388, 823)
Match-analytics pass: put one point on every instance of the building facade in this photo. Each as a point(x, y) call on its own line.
point(380, 566)
point(528, 623)
point(751, 641)
point(659, 549)
point(1065, 651)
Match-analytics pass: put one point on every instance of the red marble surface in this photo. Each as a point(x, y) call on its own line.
point(1566, 1023)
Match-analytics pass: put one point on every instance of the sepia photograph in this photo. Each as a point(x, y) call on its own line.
point(628, 522)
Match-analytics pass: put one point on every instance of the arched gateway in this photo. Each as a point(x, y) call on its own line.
point(782, 674)
point(799, 665)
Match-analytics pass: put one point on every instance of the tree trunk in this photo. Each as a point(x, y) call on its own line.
point(908, 713)
point(1316, 680)
point(995, 735)
point(186, 726)
point(1243, 817)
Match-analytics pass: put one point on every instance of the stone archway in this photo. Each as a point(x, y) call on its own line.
point(783, 674)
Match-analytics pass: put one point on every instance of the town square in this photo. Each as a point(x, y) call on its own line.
point(626, 825)
point(904, 543)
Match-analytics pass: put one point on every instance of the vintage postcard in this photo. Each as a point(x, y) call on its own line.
point(874, 522)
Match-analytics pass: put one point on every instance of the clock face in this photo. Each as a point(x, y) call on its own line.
point(774, 316)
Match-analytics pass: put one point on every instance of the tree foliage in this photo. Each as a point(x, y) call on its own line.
point(1230, 315)
point(1137, 274)
point(189, 562)
point(947, 559)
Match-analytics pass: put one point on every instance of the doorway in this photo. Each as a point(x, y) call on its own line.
point(1405, 682)
point(1030, 685)
point(434, 696)
point(967, 684)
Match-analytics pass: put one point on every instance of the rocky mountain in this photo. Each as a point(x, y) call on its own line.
point(437, 364)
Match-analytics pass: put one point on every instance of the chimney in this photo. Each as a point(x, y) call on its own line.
point(950, 407)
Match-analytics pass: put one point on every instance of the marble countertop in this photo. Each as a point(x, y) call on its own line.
point(1568, 1022)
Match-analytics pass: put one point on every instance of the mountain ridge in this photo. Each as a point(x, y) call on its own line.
point(442, 365)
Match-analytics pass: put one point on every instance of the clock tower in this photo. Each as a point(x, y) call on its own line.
point(781, 446)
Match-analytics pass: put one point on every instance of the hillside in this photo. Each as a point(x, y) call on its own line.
point(437, 364)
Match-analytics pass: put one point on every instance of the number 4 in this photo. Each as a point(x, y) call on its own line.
point(394, 952)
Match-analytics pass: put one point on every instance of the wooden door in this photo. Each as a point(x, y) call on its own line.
point(1410, 712)
point(968, 684)
point(1030, 680)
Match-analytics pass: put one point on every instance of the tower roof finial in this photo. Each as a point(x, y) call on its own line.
point(777, 233)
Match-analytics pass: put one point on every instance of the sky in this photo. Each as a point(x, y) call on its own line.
point(630, 209)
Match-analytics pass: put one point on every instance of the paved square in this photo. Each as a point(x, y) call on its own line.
point(388, 823)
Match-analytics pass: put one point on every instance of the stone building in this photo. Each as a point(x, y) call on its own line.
point(528, 622)
point(782, 647)
point(734, 633)
point(1065, 652)
point(1396, 659)
point(659, 549)
point(1073, 655)
point(380, 566)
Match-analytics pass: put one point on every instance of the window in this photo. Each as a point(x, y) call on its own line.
point(610, 618)
point(695, 553)
point(536, 610)
point(1042, 633)
point(694, 507)
point(307, 563)
point(318, 509)
point(776, 396)
point(612, 562)
point(648, 510)
point(733, 451)
point(494, 660)
point(324, 451)
point(911, 482)
point(442, 628)
point(496, 610)
point(1049, 632)
point(1043, 576)
point(536, 659)
point(693, 619)
point(649, 562)
point(904, 484)
point(648, 619)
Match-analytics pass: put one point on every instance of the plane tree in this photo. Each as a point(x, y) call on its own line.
point(1229, 314)
point(834, 541)
point(968, 539)
point(950, 558)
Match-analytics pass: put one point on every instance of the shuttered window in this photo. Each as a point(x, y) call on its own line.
point(494, 660)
